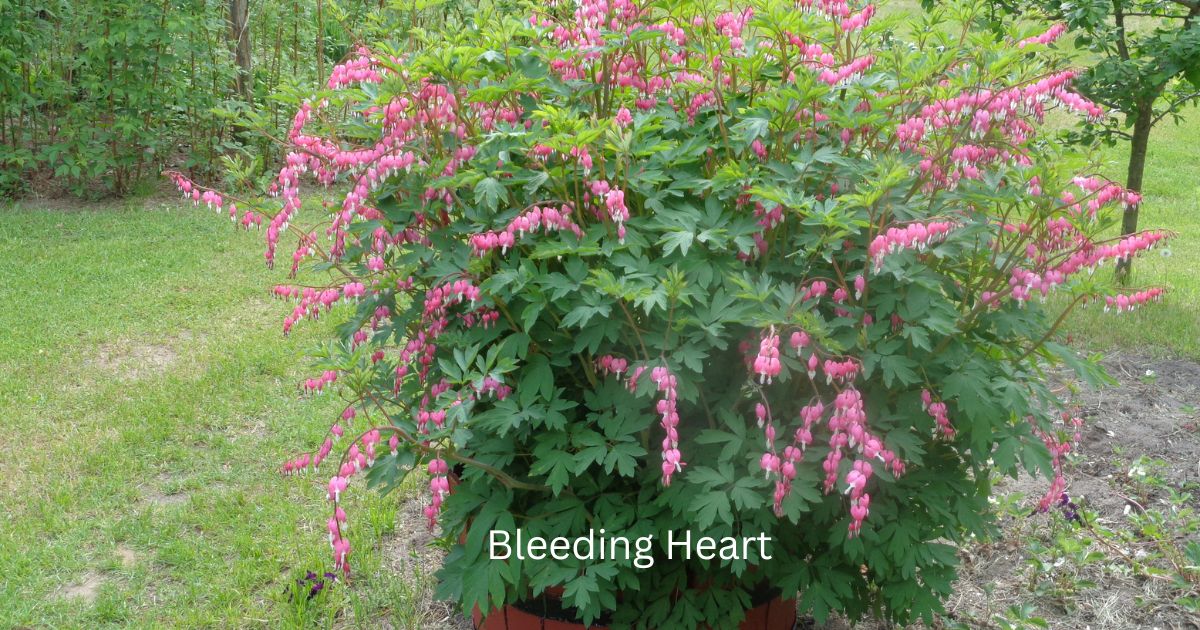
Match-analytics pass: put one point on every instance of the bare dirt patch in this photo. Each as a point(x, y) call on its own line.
point(132, 360)
point(1154, 413)
point(127, 556)
point(410, 557)
point(159, 498)
point(253, 428)
point(85, 589)
point(165, 491)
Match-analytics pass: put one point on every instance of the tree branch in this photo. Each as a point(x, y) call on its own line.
point(1174, 106)
point(1158, 15)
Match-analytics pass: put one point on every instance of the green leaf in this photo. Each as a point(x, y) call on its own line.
point(1192, 75)
point(710, 506)
point(624, 458)
point(593, 450)
point(530, 314)
point(538, 377)
point(536, 181)
point(489, 191)
point(680, 240)
point(579, 316)
point(580, 591)
point(750, 129)
point(898, 369)
point(555, 464)
point(745, 497)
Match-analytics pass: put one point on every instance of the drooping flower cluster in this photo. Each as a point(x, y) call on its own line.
point(339, 544)
point(614, 200)
point(549, 218)
point(860, 501)
point(667, 406)
point(784, 468)
point(305, 461)
point(938, 411)
point(317, 385)
point(846, 73)
point(830, 8)
point(916, 236)
point(313, 301)
point(731, 23)
point(848, 433)
point(362, 68)
point(213, 200)
point(439, 488)
point(1001, 114)
point(609, 364)
point(840, 371)
point(859, 20)
point(1129, 301)
point(799, 340)
point(766, 364)
point(1059, 448)
point(1065, 251)
point(359, 456)
point(1101, 193)
point(1048, 37)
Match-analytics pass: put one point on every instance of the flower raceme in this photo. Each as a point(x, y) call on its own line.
point(439, 487)
point(535, 219)
point(938, 411)
point(1048, 37)
point(665, 383)
point(1129, 302)
point(916, 236)
point(766, 364)
point(572, 268)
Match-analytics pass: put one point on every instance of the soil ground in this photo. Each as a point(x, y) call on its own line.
point(1147, 425)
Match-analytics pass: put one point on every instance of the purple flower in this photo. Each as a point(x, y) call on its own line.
point(313, 583)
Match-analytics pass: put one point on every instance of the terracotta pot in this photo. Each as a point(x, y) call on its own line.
point(774, 614)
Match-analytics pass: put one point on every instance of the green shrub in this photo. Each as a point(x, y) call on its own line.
point(665, 268)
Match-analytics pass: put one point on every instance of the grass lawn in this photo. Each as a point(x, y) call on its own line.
point(147, 397)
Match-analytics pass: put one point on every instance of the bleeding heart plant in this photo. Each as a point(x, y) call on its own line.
point(573, 247)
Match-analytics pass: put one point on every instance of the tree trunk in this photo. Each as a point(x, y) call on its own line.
point(239, 36)
point(320, 46)
point(1133, 177)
